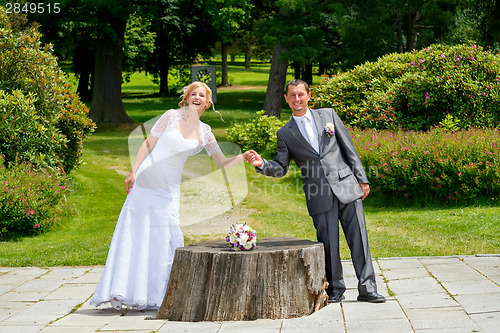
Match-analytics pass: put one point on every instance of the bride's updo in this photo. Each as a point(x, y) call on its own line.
point(197, 84)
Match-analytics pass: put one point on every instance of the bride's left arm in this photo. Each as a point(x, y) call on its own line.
point(227, 162)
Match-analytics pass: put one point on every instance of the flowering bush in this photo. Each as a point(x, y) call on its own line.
point(31, 201)
point(41, 120)
point(436, 166)
point(258, 134)
point(416, 90)
point(242, 237)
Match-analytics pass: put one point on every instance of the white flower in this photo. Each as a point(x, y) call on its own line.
point(232, 238)
point(243, 238)
point(330, 129)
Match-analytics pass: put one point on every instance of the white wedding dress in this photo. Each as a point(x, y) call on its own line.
point(148, 232)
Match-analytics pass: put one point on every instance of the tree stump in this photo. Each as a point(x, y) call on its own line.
point(280, 278)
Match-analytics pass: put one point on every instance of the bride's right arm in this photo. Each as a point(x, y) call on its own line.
point(143, 152)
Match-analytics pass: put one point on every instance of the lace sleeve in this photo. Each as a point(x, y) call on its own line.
point(211, 145)
point(161, 124)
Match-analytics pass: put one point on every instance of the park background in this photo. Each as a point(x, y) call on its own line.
point(287, 43)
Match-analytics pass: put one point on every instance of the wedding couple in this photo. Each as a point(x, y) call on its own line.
point(148, 230)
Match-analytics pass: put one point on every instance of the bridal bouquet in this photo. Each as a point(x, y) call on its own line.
point(242, 237)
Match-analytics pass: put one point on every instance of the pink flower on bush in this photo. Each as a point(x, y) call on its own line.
point(460, 173)
point(36, 225)
point(31, 212)
point(62, 187)
point(426, 152)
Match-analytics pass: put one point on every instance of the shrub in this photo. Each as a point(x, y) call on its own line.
point(437, 166)
point(31, 201)
point(417, 90)
point(258, 134)
point(41, 120)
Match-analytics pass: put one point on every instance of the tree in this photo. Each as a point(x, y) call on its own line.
point(227, 17)
point(295, 36)
point(477, 21)
point(277, 77)
point(369, 30)
point(183, 31)
point(104, 24)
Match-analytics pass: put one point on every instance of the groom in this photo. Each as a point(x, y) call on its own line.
point(334, 183)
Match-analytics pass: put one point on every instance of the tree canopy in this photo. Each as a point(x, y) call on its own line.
point(329, 36)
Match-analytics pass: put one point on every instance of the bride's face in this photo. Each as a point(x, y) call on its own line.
point(198, 98)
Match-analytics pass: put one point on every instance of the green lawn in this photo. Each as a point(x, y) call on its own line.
point(277, 205)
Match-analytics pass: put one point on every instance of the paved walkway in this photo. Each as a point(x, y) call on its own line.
point(429, 294)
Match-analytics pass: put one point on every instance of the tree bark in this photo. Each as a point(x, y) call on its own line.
point(280, 278)
point(307, 74)
point(225, 80)
point(414, 16)
point(277, 77)
point(399, 30)
point(248, 56)
point(107, 106)
point(297, 70)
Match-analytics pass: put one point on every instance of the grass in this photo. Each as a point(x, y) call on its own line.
point(277, 205)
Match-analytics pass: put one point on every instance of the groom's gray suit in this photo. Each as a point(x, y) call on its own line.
point(331, 179)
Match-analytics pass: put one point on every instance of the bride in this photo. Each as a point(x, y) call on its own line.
point(148, 232)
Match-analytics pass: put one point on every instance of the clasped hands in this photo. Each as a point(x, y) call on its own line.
point(253, 158)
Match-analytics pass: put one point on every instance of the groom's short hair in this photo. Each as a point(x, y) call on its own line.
point(296, 82)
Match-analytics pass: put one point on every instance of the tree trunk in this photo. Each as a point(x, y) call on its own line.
point(225, 81)
point(280, 278)
point(164, 65)
point(413, 18)
point(277, 77)
point(248, 56)
point(107, 106)
point(399, 31)
point(492, 25)
point(83, 62)
point(307, 74)
point(296, 69)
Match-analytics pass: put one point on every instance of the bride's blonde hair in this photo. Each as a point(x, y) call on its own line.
point(187, 90)
point(197, 84)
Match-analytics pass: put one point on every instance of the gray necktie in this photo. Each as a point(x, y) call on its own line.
point(311, 137)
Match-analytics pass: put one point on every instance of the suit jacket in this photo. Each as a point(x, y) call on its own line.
point(336, 168)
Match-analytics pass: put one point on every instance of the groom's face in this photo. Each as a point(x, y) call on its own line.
point(298, 98)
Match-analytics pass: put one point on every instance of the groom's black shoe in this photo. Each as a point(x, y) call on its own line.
point(335, 298)
point(372, 297)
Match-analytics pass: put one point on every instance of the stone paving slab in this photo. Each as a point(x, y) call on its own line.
point(429, 294)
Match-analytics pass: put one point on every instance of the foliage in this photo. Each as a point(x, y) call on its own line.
point(437, 166)
point(449, 123)
point(258, 134)
point(138, 44)
point(41, 119)
point(31, 201)
point(417, 90)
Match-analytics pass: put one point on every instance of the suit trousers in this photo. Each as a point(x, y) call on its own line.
point(353, 223)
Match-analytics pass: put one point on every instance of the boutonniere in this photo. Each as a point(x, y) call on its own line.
point(329, 129)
